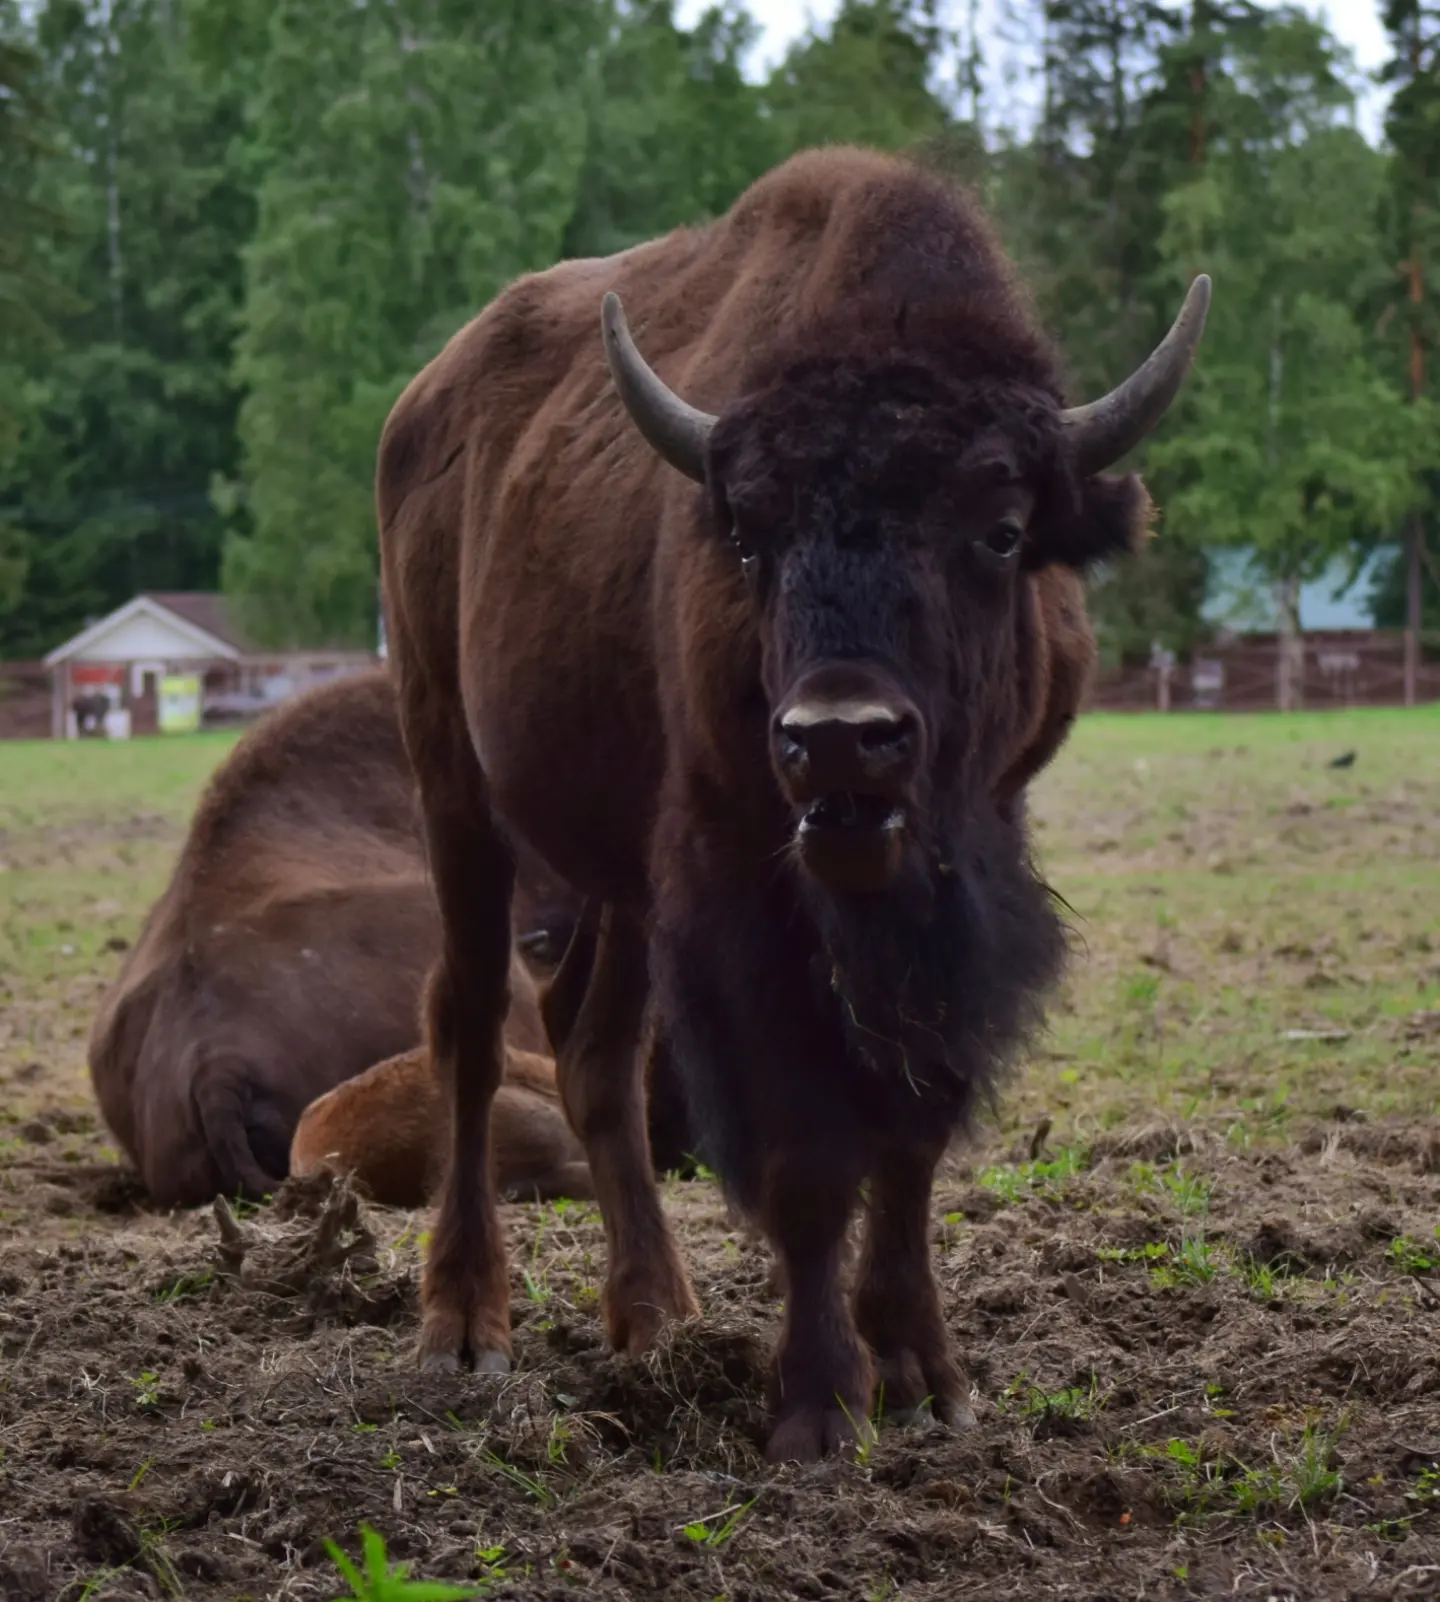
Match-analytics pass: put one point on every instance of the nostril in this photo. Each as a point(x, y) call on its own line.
point(890, 738)
point(790, 743)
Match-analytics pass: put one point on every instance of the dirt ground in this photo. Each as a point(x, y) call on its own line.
point(1192, 1264)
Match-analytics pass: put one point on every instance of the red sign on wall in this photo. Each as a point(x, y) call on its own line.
point(94, 673)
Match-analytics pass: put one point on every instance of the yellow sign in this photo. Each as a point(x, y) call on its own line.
point(180, 703)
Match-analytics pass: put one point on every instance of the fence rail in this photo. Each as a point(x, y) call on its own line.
point(24, 701)
point(1339, 670)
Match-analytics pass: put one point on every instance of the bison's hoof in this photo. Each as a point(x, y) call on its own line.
point(955, 1415)
point(635, 1314)
point(810, 1433)
point(491, 1362)
point(450, 1342)
point(912, 1387)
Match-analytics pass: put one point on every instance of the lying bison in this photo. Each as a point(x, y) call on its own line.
point(288, 954)
point(765, 670)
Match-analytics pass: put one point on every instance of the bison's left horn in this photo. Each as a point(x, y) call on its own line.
point(676, 430)
point(1100, 434)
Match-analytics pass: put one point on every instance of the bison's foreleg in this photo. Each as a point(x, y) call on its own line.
point(465, 1292)
point(601, 1071)
point(823, 1377)
point(897, 1304)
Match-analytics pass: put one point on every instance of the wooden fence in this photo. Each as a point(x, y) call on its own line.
point(1351, 669)
point(1242, 675)
point(24, 701)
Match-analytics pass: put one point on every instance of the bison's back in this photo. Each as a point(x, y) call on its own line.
point(287, 952)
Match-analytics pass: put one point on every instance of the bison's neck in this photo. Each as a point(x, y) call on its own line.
point(933, 986)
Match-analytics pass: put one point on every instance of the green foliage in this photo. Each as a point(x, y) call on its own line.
point(244, 227)
point(865, 80)
point(1013, 1182)
point(105, 491)
point(1388, 593)
point(1077, 1404)
point(415, 159)
point(381, 1583)
point(1299, 446)
point(674, 132)
point(1301, 1476)
point(709, 1532)
point(1412, 1256)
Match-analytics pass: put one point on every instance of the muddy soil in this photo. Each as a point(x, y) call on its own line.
point(1197, 1370)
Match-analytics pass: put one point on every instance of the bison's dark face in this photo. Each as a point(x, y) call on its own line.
point(887, 521)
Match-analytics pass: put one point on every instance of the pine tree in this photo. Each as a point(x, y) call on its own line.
point(122, 425)
point(1296, 446)
point(416, 155)
point(674, 131)
point(868, 79)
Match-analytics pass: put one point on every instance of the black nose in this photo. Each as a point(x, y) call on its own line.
point(866, 746)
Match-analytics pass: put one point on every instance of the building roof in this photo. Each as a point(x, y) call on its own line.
point(197, 621)
point(207, 611)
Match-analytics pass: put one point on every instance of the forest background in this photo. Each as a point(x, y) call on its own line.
point(232, 230)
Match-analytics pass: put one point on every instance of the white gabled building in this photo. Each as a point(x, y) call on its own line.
point(172, 662)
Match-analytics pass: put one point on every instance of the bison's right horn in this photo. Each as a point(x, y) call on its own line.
point(1102, 432)
point(677, 431)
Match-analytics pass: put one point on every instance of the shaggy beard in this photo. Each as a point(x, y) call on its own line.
point(943, 979)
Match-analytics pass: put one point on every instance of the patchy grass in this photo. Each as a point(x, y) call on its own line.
point(1259, 942)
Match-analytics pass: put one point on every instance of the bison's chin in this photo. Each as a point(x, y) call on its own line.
point(942, 979)
point(851, 844)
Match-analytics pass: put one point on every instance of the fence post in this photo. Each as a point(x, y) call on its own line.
point(1163, 663)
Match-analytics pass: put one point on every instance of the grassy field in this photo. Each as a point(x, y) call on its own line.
point(1193, 1266)
point(1255, 929)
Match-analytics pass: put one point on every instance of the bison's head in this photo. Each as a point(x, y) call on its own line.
point(886, 500)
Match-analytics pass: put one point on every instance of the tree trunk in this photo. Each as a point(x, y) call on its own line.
point(1199, 22)
point(1290, 666)
point(1412, 608)
point(1417, 530)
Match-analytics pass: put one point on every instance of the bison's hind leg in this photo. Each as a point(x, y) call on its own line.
point(465, 1290)
point(601, 1071)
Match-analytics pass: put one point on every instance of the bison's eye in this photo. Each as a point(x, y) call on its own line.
point(1002, 541)
point(749, 558)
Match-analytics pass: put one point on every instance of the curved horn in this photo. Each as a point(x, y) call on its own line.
point(676, 430)
point(1100, 434)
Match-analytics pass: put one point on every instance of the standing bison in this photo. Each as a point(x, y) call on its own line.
point(764, 671)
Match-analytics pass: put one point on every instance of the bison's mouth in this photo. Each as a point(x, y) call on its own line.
point(851, 842)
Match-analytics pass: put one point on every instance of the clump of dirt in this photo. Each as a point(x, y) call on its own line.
point(1196, 1370)
point(311, 1257)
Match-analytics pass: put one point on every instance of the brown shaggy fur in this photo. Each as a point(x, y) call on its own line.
point(589, 650)
point(288, 954)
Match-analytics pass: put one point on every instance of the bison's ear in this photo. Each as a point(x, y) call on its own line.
point(1109, 517)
